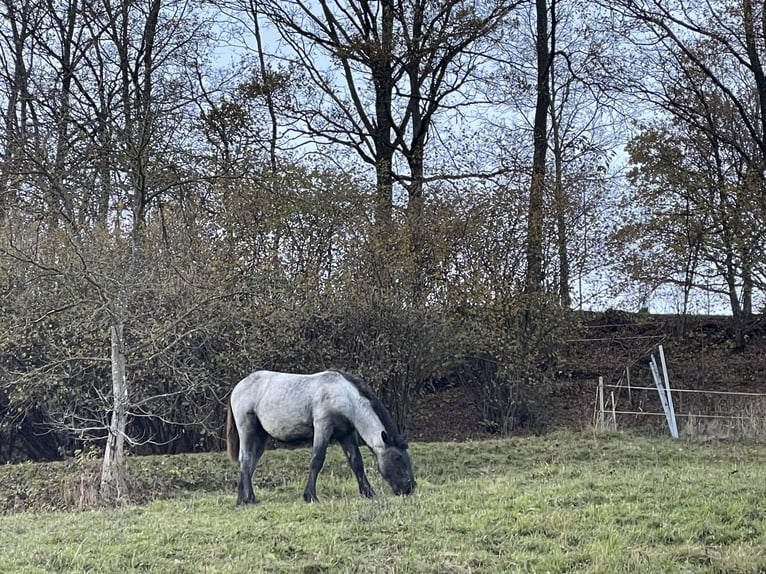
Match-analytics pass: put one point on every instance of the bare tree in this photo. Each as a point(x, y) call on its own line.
point(584, 132)
point(716, 53)
point(103, 152)
point(17, 27)
point(384, 69)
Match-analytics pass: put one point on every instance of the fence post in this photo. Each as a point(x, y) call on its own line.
point(672, 410)
point(601, 424)
point(663, 396)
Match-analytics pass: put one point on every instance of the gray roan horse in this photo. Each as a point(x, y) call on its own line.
point(319, 408)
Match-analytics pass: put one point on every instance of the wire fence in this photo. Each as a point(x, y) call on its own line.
point(698, 412)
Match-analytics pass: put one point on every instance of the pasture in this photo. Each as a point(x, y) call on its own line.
point(564, 502)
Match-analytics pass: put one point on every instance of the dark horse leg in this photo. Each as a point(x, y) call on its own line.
point(355, 461)
point(318, 452)
point(252, 444)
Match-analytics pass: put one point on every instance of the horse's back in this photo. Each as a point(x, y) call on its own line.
point(286, 404)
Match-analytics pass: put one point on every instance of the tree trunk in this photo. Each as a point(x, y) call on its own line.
point(560, 200)
point(417, 235)
point(113, 474)
point(730, 275)
point(268, 90)
point(534, 247)
point(747, 291)
point(754, 45)
point(415, 160)
point(383, 80)
point(17, 102)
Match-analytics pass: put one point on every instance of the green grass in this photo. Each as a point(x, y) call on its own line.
point(559, 503)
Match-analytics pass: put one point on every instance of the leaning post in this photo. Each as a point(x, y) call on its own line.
point(671, 409)
point(663, 396)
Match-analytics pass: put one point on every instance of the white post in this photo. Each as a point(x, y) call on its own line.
point(663, 396)
point(660, 388)
point(671, 409)
point(601, 403)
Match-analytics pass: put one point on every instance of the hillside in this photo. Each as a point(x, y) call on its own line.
point(700, 355)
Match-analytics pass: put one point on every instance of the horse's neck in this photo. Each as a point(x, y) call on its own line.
point(369, 426)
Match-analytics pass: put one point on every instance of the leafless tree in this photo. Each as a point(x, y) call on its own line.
point(97, 118)
point(715, 51)
point(384, 70)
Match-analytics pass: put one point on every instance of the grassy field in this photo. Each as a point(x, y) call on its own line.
point(559, 503)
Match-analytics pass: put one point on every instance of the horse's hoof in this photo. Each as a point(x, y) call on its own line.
point(307, 497)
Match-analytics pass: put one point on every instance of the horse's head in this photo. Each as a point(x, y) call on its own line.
point(395, 466)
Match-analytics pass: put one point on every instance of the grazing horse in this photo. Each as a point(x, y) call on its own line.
point(323, 407)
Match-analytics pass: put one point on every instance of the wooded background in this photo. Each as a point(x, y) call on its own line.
point(414, 190)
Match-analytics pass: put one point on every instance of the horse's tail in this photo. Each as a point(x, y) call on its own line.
point(232, 435)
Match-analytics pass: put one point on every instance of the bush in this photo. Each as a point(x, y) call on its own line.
point(511, 351)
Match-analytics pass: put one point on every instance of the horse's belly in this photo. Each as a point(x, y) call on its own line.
point(289, 425)
point(290, 433)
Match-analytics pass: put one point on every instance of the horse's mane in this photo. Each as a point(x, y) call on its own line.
point(377, 406)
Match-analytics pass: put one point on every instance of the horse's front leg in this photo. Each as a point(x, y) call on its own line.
point(355, 461)
point(318, 452)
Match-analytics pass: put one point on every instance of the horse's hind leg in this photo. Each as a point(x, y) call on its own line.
point(252, 444)
point(355, 461)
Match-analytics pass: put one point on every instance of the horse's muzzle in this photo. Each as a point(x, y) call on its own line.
point(406, 490)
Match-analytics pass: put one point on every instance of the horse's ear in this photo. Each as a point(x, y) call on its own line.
point(384, 436)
